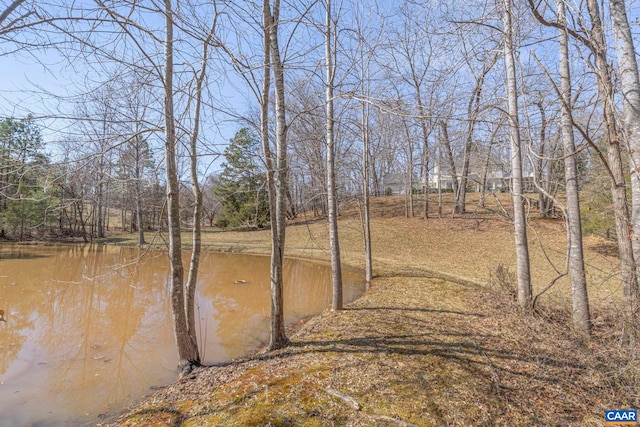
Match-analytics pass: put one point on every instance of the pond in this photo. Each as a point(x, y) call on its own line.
point(88, 328)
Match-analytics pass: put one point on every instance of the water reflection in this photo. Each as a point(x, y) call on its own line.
point(88, 328)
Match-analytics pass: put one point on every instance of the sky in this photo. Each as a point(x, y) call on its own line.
point(43, 84)
point(36, 83)
point(47, 85)
point(22, 79)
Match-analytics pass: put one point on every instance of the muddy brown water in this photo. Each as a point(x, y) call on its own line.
point(88, 329)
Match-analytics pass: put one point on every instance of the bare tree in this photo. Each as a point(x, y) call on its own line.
point(368, 268)
point(332, 203)
point(581, 314)
point(519, 217)
point(412, 53)
point(630, 86)
point(188, 355)
point(308, 151)
point(275, 159)
point(364, 53)
point(99, 111)
point(446, 142)
point(136, 160)
point(497, 126)
point(595, 41)
point(474, 108)
point(196, 190)
point(276, 167)
point(544, 153)
point(621, 211)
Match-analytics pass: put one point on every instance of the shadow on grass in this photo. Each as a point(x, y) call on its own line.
point(454, 358)
point(471, 351)
point(421, 310)
point(452, 353)
point(412, 345)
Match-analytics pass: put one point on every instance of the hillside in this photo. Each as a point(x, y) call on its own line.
point(437, 340)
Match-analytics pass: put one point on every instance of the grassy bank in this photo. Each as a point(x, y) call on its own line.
point(431, 343)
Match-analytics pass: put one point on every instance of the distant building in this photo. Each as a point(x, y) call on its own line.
point(396, 184)
point(497, 176)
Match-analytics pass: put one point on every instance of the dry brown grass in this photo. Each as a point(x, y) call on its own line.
point(430, 344)
point(464, 248)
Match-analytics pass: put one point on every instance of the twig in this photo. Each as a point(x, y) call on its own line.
point(553, 282)
point(344, 397)
point(494, 373)
point(353, 403)
point(505, 212)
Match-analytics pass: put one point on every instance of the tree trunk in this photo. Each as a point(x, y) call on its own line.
point(374, 178)
point(138, 192)
point(630, 84)
point(473, 111)
point(123, 213)
point(368, 264)
point(452, 163)
point(519, 218)
point(107, 206)
point(83, 224)
point(544, 203)
point(334, 241)
point(188, 356)
point(276, 172)
point(581, 314)
point(291, 210)
point(487, 162)
point(409, 183)
point(618, 186)
point(196, 190)
point(439, 182)
point(139, 218)
point(425, 147)
point(100, 219)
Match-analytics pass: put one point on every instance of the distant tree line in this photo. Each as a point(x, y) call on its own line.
point(75, 198)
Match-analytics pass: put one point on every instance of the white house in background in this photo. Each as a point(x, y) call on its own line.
point(497, 178)
point(396, 184)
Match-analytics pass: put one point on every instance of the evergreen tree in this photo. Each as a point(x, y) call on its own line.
point(23, 174)
point(242, 184)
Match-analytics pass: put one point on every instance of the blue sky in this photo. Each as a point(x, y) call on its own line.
point(30, 85)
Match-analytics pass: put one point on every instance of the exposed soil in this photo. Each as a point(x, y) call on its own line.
point(437, 340)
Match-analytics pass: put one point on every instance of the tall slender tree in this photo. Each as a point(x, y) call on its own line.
point(519, 217)
point(188, 355)
point(474, 108)
point(332, 202)
point(196, 99)
point(364, 57)
point(597, 42)
point(276, 166)
point(630, 86)
point(581, 314)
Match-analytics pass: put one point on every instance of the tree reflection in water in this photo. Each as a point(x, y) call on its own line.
point(89, 329)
